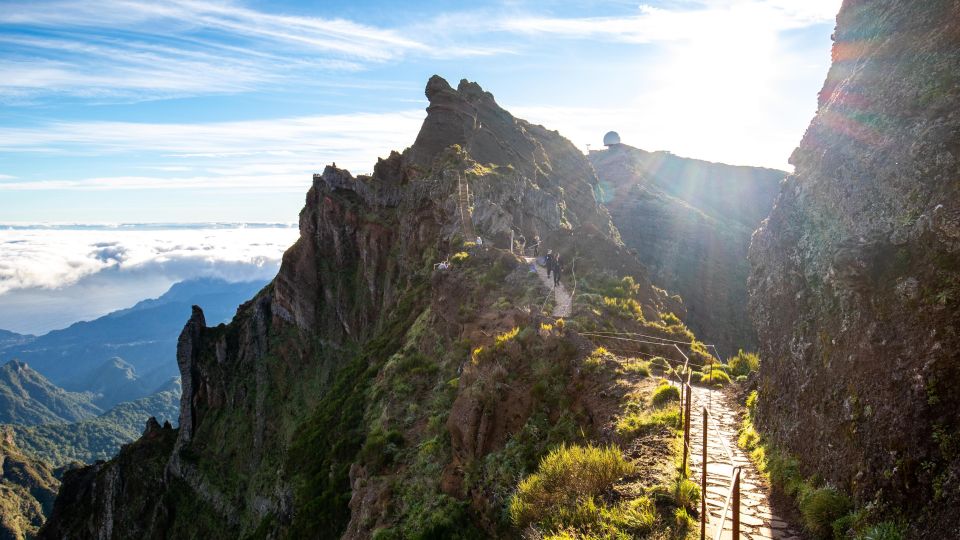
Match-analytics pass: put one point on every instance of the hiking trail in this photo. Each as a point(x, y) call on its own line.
point(758, 521)
point(564, 302)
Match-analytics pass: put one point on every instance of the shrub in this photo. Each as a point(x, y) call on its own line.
point(717, 378)
point(884, 531)
point(638, 515)
point(695, 376)
point(821, 507)
point(752, 403)
point(749, 438)
point(743, 363)
point(635, 423)
point(665, 393)
point(468, 244)
point(380, 448)
point(637, 367)
point(500, 339)
point(597, 359)
point(683, 520)
point(459, 257)
point(566, 477)
point(686, 493)
point(660, 363)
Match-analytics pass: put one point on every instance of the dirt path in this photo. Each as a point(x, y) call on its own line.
point(758, 520)
point(564, 302)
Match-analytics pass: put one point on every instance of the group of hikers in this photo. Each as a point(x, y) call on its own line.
point(551, 260)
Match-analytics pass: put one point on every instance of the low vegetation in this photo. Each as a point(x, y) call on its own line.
point(827, 512)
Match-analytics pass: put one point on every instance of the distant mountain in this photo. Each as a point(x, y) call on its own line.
point(28, 398)
point(691, 222)
point(127, 353)
point(27, 490)
point(13, 339)
point(100, 437)
point(116, 381)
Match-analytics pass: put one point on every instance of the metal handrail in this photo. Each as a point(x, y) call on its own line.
point(733, 496)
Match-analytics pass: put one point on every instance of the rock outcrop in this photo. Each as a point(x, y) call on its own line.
point(690, 222)
point(855, 284)
point(27, 490)
point(323, 409)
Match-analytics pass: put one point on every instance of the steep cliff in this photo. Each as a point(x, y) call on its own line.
point(855, 277)
point(353, 393)
point(691, 222)
point(27, 490)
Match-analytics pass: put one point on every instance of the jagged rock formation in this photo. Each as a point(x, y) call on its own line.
point(344, 397)
point(143, 336)
point(27, 491)
point(691, 222)
point(855, 277)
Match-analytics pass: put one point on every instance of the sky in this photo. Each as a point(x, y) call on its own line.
point(206, 111)
point(209, 117)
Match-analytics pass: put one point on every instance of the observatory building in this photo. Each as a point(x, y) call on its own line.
point(612, 138)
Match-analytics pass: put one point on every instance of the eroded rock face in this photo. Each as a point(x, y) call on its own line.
point(27, 490)
point(278, 404)
point(856, 273)
point(690, 222)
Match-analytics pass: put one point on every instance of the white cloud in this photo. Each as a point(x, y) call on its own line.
point(53, 276)
point(54, 258)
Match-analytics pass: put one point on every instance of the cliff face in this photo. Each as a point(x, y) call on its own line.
point(27, 490)
point(342, 399)
point(855, 277)
point(690, 222)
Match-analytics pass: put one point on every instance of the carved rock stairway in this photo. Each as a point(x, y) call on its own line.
point(758, 521)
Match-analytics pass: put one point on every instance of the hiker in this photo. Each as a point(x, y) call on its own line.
point(548, 262)
point(536, 247)
point(479, 242)
point(556, 270)
point(522, 242)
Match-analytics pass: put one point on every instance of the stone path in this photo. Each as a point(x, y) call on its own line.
point(757, 520)
point(564, 302)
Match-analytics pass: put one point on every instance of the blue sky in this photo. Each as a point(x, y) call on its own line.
point(196, 111)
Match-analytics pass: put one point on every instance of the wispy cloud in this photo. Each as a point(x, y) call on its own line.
point(687, 21)
point(136, 49)
point(274, 154)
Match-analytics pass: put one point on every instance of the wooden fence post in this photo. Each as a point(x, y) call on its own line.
point(736, 504)
point(703, 481)
point(686, 428)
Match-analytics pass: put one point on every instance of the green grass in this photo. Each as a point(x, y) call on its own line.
point(635, 366)
point(567, 479)
point(636, 423)
point(821, 507)
point(716, 378)
point(743, 363)
point(886, 530)
point(664, 394)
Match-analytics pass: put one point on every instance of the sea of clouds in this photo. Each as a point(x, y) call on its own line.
point(54, 275)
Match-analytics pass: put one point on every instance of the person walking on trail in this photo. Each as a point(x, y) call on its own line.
point(536, 247)
point(548, 262)
point(522, 243)
point(556, 269)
